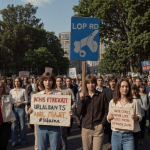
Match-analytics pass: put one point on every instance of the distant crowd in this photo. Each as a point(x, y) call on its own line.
point(92, 109)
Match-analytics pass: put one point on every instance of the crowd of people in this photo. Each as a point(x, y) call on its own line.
point(92, 109)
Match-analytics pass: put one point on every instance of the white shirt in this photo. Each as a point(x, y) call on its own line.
point(100, 90)
point(21, 96)
point(33, 87)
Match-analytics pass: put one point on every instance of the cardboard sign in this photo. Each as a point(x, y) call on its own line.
point(72, 73)
point(122, 118)
point(50, 110)
point(23, 74)
point(48, 69)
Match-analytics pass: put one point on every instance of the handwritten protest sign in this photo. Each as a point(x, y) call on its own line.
point(23, 74)
point(50, 109)
point(48, 69)
point(72, 73)
point(122, 118)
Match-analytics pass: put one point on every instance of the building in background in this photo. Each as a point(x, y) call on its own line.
point(64, 38)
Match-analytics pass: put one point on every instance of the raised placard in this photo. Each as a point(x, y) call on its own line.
point(50, 110)
point(122, 118)
point(24, 74)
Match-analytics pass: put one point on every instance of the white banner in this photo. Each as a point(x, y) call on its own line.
point(50, 110)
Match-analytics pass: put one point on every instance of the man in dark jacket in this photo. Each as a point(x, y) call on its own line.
point(100, 87)
point(109, 92)
point(74, 89)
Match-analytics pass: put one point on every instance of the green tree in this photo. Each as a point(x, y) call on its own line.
point(38, 59)
point(126, 20)
point(20, 30)
point(53, 45)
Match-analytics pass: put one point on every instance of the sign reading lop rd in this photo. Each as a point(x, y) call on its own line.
point(85, 38)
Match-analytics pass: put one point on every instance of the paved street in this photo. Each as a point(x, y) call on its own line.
point(74, 141)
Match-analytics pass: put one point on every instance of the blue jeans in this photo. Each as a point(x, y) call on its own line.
point(20, 116)
point(51, 132)
point(123, 141)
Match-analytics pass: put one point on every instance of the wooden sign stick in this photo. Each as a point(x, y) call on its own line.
point(83, 75)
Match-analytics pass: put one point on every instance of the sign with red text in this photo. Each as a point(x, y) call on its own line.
point(23, 74)
point(50, 110)
point(48, 69)
point(122, 118)
point(145, 65)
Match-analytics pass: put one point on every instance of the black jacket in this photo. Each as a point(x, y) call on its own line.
point(108, 94)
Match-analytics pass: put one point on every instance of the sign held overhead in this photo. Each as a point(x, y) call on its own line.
point(145, 65)
point(84, 38)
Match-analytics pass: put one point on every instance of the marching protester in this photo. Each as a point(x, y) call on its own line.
point(6, 116)
point(100, 85)
point(20, 96)
point(74, 89)
point(145, 102)
point(38, 88)
point(78, 117)
point(75, 86)
point(144, 81)
point(34, 84)
point(3, 80)
point(121, 138)
point(136, 96)
point(8, 82)
point(25, 82)
point(137, 81)
point(65, 91)
point(109, 92)
point(29, 90)
point(93, 106)
point(44, 132)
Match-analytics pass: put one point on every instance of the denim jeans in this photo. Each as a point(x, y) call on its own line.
point(20, 116)
point(123, 141)
point(51, 132)
point(63, 145)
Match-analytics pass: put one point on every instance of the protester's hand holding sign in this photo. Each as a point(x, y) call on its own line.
point(82, 95)
point(135, 117)
point(110, 116)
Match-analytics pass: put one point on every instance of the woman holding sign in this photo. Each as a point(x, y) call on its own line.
point(45, 132)
point(121, 137)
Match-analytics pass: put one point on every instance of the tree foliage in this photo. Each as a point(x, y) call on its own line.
point(123, 22)
point(22, 36)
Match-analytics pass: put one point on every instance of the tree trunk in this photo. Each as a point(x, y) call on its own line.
point(131, 64)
